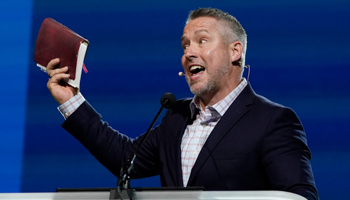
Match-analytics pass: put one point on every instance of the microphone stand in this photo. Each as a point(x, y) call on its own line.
point(166, 101)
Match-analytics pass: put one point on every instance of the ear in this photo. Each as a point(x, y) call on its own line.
point(236, 49)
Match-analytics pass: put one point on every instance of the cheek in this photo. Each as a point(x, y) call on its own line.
point(183, 61)
point(211, 56)
point(208, 53)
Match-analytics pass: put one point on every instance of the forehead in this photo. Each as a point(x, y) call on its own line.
point(201, 23)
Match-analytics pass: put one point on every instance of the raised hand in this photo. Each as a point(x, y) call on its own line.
point(60, 89)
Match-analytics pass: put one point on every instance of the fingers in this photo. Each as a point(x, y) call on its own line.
point(59, 89)
point(56, 74)
point(52, 64)
point(59, 72)
point(51, 69)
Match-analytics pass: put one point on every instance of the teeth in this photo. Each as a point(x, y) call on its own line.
point(196, 67)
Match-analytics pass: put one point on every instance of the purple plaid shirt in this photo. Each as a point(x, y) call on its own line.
point(197, 133)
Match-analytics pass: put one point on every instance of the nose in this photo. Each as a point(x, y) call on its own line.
point(191, 52)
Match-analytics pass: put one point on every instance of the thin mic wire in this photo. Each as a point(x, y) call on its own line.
point(248, 66)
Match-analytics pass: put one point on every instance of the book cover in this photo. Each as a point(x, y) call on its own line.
point(55, 40)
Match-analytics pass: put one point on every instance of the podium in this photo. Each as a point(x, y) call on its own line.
point(158, 195)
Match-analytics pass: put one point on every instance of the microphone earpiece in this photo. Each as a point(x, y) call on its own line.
point(181, 74)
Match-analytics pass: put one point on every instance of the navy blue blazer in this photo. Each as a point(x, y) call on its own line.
point(256, 145)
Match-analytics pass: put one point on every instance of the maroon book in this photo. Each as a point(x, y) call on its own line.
point(55, 40)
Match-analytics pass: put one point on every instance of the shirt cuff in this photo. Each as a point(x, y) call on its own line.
point(68, 108)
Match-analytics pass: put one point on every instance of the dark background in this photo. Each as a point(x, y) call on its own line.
point(298, 52)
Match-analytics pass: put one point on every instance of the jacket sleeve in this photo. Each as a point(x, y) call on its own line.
point(286, 157)
point(110, 147)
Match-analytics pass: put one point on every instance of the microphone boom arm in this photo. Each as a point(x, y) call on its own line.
point(167, 101)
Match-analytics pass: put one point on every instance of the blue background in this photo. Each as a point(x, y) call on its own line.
point(298, 52)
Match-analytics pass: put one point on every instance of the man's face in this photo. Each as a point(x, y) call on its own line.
point(206, 60)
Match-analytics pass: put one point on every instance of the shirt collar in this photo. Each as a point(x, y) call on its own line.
point(221, 106)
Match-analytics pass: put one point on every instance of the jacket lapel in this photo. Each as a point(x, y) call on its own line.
point(178, 155)
point(237, 109)
point(178, 132)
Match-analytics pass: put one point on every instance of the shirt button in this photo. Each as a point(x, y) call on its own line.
point(195, 152)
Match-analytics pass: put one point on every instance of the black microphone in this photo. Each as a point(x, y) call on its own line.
point(167, 100)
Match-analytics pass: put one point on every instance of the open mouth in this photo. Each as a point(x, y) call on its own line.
point(196, 69)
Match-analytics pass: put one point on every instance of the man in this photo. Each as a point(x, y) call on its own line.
point(225, 138)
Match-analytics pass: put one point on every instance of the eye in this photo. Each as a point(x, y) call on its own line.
point(184, 45)
point(202, 41)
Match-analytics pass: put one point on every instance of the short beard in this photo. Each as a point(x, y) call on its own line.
point(205, 90)
point(212, 84)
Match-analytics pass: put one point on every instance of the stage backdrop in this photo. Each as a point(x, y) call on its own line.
point(298, 52)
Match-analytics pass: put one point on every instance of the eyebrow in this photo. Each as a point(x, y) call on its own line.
point(201, 30)
point(196, 32)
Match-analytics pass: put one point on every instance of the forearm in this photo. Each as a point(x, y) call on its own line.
point(110, 147)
